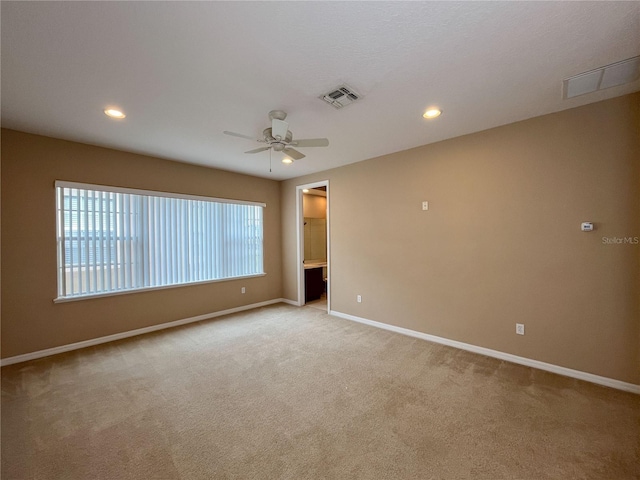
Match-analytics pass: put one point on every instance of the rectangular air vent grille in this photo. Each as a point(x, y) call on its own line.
point(340, 96)
point(608, 76)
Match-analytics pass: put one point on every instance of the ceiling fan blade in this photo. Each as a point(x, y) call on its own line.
point(234, 134)
point(258, 150)
point(296, 155)
point(279, 128)
point(311, 142)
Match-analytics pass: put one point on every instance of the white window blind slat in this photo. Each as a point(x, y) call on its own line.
point(187, 239)
point(173, 247)
point(194, 226)
point(181, 237)
point(126, 253)
point(144, 244)
point(134, 234)
point(194, 236)
point(157, 240)
point(219, 239)
point(75, 277)
point(150, 227)
point(108, 230)
point(122, 243)
point(234, 245)
point(86, 237)
point(92, 241)
point(211, 243)
point(101, 240)
point(202, 254)
point(203, 251)
point(166, 245)
point(170, 246)
point(231, 244)
point(133, 244)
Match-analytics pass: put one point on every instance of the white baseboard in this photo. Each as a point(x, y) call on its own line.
point(131, 333)
point(290, 302)
point(567, 372)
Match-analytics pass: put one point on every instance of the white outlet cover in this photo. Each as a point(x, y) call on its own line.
point(520, 328)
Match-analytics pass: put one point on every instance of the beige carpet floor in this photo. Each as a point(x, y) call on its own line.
point(292, 393)
point(320, 304)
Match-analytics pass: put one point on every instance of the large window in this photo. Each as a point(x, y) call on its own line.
point(112, 240)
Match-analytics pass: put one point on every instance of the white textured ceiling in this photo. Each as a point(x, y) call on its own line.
point(185, 71)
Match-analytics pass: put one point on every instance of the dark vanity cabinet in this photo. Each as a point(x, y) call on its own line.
point(313, 283)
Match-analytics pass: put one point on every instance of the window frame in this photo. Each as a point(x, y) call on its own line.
point(60, 245)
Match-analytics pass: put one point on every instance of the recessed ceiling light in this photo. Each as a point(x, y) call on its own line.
point(287, 161)
point(113, 113)
point(305, 190)
point(432, 112)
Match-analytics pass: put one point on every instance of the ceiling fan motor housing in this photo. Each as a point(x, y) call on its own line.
point(277, 145)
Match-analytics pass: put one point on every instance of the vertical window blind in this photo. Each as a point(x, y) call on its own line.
point(115, 239)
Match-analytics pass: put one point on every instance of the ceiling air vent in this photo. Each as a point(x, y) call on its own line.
point(340, 96)
point(608, 76)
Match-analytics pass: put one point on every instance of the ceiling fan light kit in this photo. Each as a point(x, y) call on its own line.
point(279, 138)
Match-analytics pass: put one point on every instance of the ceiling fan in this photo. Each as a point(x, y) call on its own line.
point(279, 138)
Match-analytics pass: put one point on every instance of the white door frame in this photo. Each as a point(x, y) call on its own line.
point(300, 231)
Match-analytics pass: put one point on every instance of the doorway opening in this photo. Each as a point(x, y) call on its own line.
point(314, 249)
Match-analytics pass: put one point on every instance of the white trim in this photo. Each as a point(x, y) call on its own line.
point(300, 239)
point(131, 333)
point(300, 245)
point(290, 302)
point(314, 191)
point(567, 372)
point(153, 193)
point(149, 289)
point(328, 225)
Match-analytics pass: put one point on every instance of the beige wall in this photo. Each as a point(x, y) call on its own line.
point(501, 241)
point(30, 165)
point(314, 206)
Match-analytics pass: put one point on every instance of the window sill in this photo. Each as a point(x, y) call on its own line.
point(147, 289)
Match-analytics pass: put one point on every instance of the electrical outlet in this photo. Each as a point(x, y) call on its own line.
point(243, 290)
point(359, 298)
point(520, 328)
